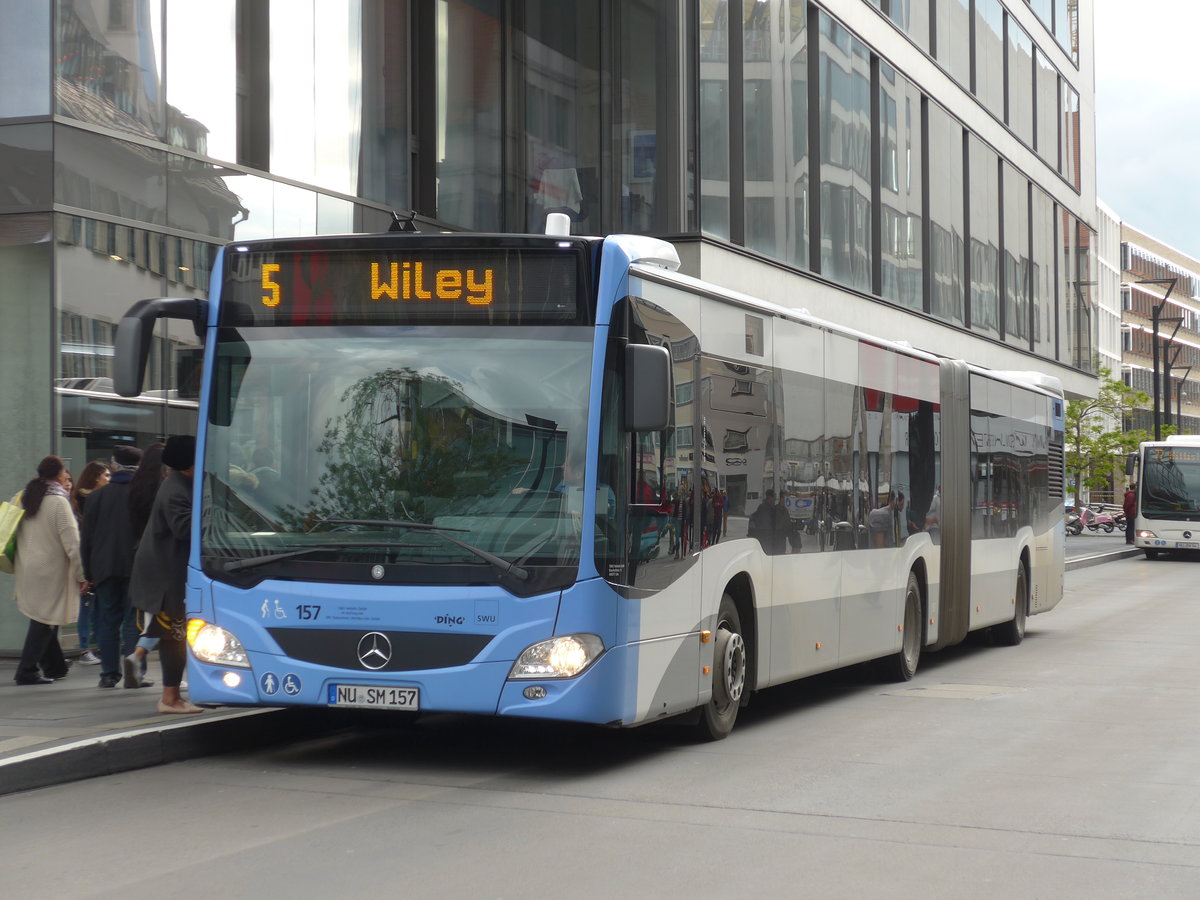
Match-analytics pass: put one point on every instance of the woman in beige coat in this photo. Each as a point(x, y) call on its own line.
point(48, 569)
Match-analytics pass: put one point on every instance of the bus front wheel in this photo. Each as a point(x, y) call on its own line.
point(729, 674)
point(1151, 554)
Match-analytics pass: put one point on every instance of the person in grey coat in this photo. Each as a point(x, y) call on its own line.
point(159, 575)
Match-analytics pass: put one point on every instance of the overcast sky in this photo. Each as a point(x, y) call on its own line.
point(1148, 117)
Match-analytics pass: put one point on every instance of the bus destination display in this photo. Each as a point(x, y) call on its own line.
point(387, 287)
point(1175, 454)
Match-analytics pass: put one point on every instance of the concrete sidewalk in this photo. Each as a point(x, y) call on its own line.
point(73, 729)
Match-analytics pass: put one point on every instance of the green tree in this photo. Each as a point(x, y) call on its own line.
point(1096, 439)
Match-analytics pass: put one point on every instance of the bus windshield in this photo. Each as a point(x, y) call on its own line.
point(1171, 483)
point(428, 455)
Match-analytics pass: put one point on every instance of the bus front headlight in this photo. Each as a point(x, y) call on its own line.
point(560, 657)
point(213, 644)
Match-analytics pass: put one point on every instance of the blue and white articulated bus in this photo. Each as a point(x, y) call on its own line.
point(1168, 496)
point(550, 477)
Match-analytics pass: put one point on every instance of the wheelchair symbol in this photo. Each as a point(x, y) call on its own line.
point(291, 684)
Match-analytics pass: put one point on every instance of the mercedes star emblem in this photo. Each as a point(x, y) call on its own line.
point(374, 650)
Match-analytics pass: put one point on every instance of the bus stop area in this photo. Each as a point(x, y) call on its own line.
point(72, 729)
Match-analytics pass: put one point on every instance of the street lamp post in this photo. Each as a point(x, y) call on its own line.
point(1179, 397)
point(1155, 317)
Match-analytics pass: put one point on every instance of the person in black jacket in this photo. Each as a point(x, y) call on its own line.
point(106, 545)
point(160, 569)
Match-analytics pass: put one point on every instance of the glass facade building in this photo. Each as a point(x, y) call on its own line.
point(920, 170)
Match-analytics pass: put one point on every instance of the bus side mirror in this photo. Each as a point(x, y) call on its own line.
point(647, 387)
point(135, 333)
point(1130, 463)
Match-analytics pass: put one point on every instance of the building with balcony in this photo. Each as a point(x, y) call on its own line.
point(1160, 322)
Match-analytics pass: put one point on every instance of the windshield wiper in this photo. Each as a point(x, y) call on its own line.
point(502, 565)
point(255, 561)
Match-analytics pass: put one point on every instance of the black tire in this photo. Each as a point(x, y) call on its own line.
point(1074, 528)
point(902, 665)
point(1151, 554)
point(729, 674)
point(1012, 633)
point(1108, 527)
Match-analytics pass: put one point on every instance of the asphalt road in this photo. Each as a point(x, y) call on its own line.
point(1065, 767)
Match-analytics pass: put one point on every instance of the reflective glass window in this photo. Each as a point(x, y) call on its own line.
point(26, 278)
point(946, 232)
point(26, 168)
point(1082, 324)
point(714, 118)
point(989, 54)
point(1064, 11)
point(643, 162)
point(384, 174)
point(202, 70)
point(1070, 134)
point(1016, 258)
point(776, 130)
point(1068, 285)
point(102, 268)
point(109, 176)
point(470, 123)
point(109, 64)
point(24, 59)
point(985, 237)
point(560, 74)
point(954, 39)
point(1042, 274)
point(334, 215)
point(845, 142)
point(900, 188)
point(205, 198)
point(1047, 110)
point(1020, 82)
point(1044, 11)
point(912, 17)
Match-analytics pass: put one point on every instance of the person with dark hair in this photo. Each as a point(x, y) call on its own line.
point(49, 573)
point(107, 546)
point(95, 475)
point(1129, 508)
point(142, 491)
point(160, 569)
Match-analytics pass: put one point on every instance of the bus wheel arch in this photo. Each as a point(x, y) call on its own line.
point(741, 591)
point(902, 665)
point(1012, 632)
point(732, 655)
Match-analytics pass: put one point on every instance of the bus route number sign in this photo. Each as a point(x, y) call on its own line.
point(385, 287)
point(374, 696)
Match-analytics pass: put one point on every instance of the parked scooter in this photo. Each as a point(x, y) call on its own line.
point(1091, 520)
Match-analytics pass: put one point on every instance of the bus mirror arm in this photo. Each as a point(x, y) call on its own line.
point(136, 332)
point(647, 387)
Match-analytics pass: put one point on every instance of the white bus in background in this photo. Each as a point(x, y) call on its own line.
point(1168, 496)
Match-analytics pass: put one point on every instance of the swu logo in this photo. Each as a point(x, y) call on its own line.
point(449, 620)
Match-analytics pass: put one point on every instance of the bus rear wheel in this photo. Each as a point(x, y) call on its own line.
point(902, 665)
point(729, 674)
point(1012, 633)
